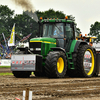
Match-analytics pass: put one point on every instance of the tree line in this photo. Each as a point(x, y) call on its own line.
point(25, 25)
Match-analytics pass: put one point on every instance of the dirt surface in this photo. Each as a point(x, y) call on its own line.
point(4, 70)
point(50, 89)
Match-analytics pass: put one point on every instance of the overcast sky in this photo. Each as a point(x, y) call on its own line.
point(86, 12)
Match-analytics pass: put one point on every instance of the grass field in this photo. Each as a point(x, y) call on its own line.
point(1, 74)
point(5, 74)
point(11, 74)
point(5, 66)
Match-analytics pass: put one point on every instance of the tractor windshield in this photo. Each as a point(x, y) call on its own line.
point(54, 30)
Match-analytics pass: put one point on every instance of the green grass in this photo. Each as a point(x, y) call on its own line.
point(5, 66)
point(1, 74)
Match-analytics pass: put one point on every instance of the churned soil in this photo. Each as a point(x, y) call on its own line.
point(4, 70)
point(50, 89)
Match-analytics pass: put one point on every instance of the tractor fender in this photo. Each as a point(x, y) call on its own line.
point(58, 49)
point(79, 43)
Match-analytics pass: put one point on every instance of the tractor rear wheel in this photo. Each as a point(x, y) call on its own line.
point(56, 64)
point(21, 74)
point(85, 62)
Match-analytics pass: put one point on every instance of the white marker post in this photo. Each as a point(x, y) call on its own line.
point(30, 95)
point(27, 95)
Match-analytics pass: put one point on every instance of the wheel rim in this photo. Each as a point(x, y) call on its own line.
point(88, 62)
point(60, 65)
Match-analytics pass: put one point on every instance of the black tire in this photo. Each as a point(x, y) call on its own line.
point(56, 64)
point(85, 61)
point(21, 74)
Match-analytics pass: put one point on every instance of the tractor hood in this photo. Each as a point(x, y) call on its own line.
point(43, 39)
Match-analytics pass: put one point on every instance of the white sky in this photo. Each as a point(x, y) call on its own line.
point(86, 12)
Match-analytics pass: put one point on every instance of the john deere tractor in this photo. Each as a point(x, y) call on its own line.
point(56, 53)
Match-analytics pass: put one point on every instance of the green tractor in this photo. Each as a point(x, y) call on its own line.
point(56, 53)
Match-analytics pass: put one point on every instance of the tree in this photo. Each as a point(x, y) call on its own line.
point(95, 30)
point(51, 14)
point(5, 20)
point(25, 25)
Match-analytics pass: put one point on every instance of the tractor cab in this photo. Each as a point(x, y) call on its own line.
point(54, 30)
point(63, 30)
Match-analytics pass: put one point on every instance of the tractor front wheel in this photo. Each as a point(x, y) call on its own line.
point(56, 64)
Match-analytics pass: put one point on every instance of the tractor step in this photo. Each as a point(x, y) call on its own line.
point(71, 63)
point(70, 60)
point(69, 57)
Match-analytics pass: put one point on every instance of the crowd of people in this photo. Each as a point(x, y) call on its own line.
point(5, 55)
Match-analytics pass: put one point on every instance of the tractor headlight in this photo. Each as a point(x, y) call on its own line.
point(38, 49)
point(31, 49)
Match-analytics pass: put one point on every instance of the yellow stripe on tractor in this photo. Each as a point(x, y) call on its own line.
point(44, 42)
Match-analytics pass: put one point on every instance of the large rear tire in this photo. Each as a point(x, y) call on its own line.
point(85, 63)
point(55, 64)
point(22, 74)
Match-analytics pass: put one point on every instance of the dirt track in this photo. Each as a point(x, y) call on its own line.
point(4, 70)
point(50, 89)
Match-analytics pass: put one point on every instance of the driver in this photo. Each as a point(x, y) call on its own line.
point(55, 31)
point(58, 32)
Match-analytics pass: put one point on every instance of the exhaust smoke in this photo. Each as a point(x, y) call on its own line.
point(25, 4)
point(28, 8)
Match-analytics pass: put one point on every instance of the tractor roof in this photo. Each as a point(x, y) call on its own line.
point(50, 20)
point(56, 20)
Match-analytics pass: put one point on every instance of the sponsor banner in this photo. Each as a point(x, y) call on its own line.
point(5, 62)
